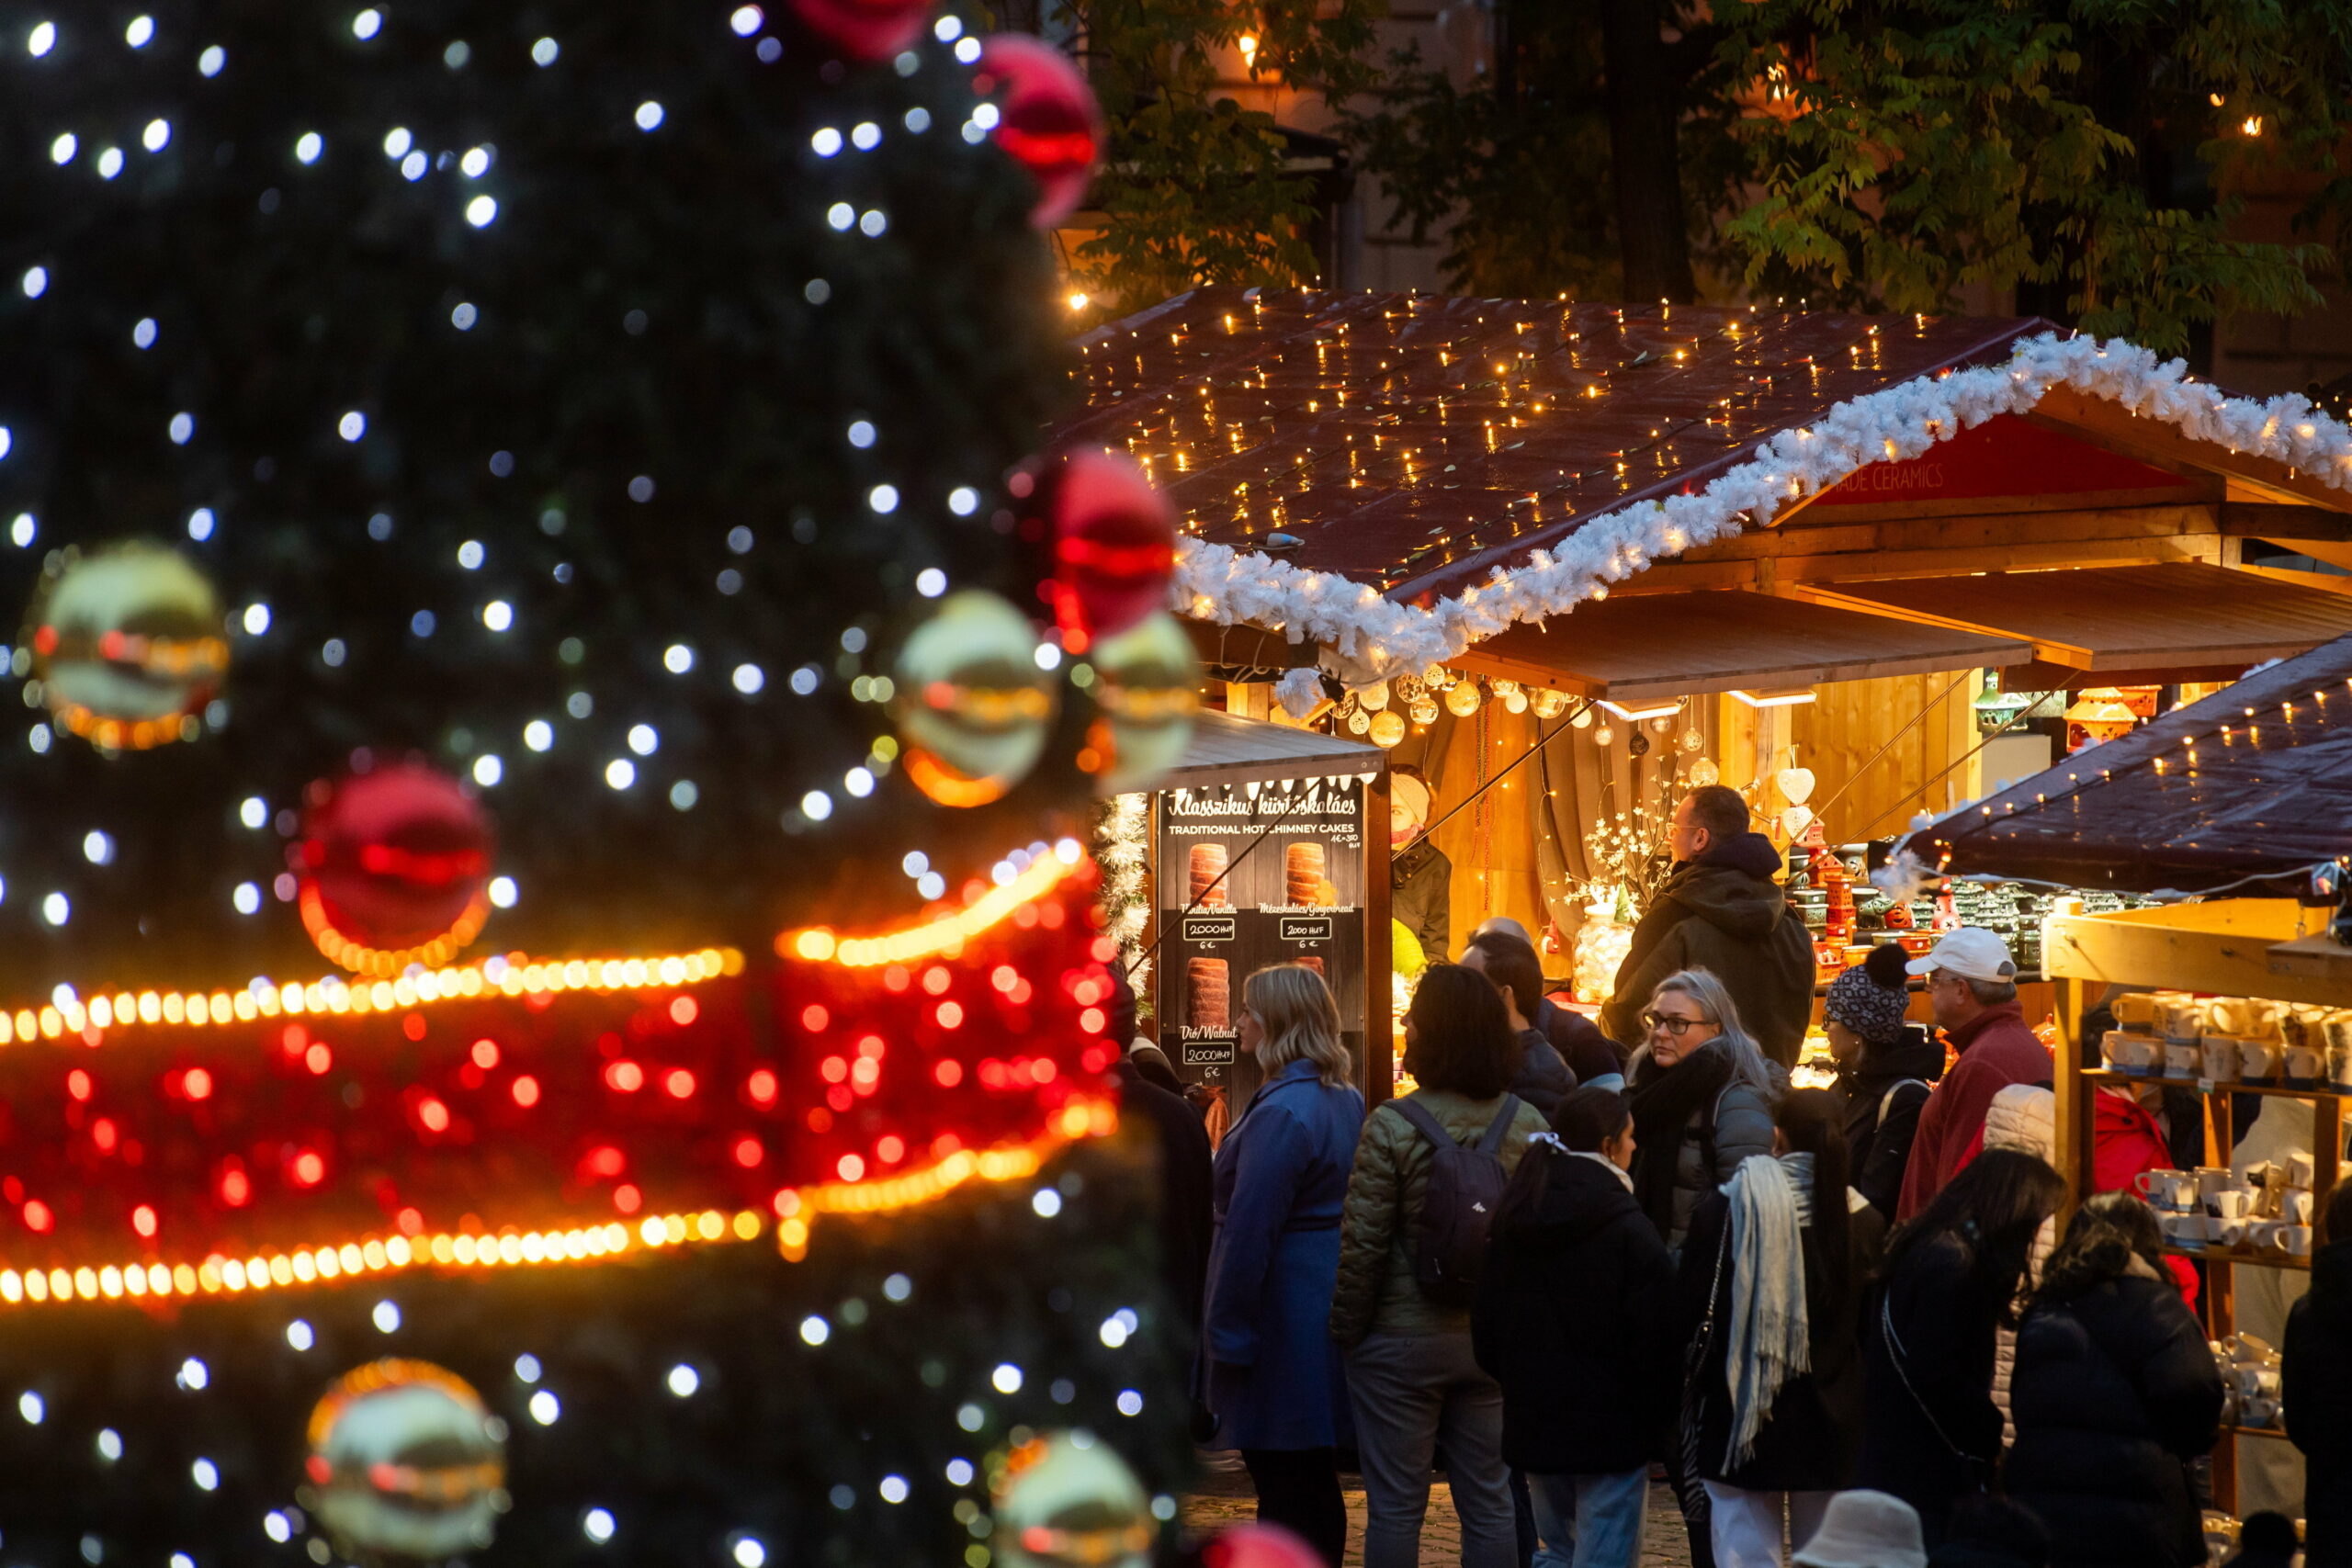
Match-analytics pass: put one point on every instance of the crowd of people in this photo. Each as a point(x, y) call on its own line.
point(1840, 1319)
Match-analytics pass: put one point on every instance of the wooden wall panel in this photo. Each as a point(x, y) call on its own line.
point(1836, 735)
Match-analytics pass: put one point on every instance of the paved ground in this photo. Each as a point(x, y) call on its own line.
point(1226, 1498)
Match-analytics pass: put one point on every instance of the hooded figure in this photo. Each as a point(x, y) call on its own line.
point(1720, 910)
point(2318, 1394)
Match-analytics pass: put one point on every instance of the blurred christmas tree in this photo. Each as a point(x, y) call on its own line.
point(559, 700)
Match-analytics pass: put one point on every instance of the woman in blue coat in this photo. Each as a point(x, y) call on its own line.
point(1282, 1173)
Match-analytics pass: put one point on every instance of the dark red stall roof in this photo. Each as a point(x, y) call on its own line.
point(2253, 781)
point(1416, 442)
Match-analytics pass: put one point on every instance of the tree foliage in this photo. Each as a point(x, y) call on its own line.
point(1194, 186)
point(2092, 155)
point(2092, 152)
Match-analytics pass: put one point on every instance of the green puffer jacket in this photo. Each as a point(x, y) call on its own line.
point(1380, 1227)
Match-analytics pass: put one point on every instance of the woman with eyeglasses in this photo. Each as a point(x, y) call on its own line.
point(1703, 1095)
point(1275, 1383)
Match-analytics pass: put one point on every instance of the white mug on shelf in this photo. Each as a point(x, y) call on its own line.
point(2301, 1167)
point(2258, 1061)
point(2222, 1059)
point(2129, 1054)
point(2169, 1192)
point(2232, 1203)
point(2184, 1231)
point(2296, 1240)
point(2295, 1206)
point(2304, 1066)
point(2180, 1059)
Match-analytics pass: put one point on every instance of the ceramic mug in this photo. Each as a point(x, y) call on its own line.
point(2258, 1061)
point(2221, 1058)
point(2301, 1168)
point(2296, 1240)
point(2304, 1066)
point(2263, 1235)
point(2339, 1066)
point(2258, 1412)
point(2295, 1206)
point(2184, 1231)
point(2230, 1203)
point(2180, 1059)
point(2230, 1233)
point(2132, 1053)
point(2180, 1021)
point(2213, 1181)
point(2166, 1191)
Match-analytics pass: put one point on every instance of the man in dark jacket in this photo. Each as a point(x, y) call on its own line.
point(1571, 1319)
point(1421, 879)
point(1576, 1038)
point(1187, 1206)
point(1720, 910)
point(2317, 1393)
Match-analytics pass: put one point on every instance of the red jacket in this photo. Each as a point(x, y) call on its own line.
point(1995, 1050)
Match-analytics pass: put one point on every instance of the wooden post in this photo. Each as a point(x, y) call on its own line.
point(2073, 1111)
point(1379, 957)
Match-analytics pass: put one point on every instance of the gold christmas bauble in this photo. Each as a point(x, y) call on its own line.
point(1704, 773)
point(1692, 741)
point(1550, 704)
point(1067, 1501)
point(1424, 710)
point(1604, 736)
point(1374, 696)
point(1583, 720)
point(1358, 721)
point(973, 706)
point(1514, 700)
point(1146, 682)
point(406, 1465)
point(1462, 699)
point(125, 644)
point(1387, 728)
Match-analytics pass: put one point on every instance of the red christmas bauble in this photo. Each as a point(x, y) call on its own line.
point(1259, 1546)
point(866, 29)
point(1047, 119)
point(1115, 544)
point(393, 867)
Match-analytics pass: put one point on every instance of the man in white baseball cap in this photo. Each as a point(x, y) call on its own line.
point(1972, 989)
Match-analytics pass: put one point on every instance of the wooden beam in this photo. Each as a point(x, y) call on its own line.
point(2324, 581)
point(2192, 490)
point(1828, 534)
point(1246, 647)
point(2045, 650)
point(2283, 525)
point(2118, 429)
point(1861, 566)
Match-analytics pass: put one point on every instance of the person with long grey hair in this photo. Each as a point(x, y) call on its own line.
point(1703, 1095)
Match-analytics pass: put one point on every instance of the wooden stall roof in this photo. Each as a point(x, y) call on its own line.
point(2179, 620)
point(2253, 783)
point(1226, 749)
point(1632, 648)
point(1415, 442)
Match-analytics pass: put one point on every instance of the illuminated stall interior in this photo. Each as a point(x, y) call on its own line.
point(1881, 645)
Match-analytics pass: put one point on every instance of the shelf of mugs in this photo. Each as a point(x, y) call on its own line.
point(2213, 1085)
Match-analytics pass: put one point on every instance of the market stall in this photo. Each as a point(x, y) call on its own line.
point(1857, 568)
point(2242, 1000)
point(1266, 844)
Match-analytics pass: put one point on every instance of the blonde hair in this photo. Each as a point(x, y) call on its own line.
point(1703, 987)
point(1295, 1009)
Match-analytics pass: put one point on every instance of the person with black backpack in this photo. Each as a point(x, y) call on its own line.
point(1430, 1170)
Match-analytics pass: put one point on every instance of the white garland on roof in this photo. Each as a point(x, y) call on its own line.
point(1368, 637)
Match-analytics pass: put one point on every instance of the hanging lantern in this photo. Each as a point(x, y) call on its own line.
point(1604, 737)
point(127, 644)
point(1048, 120)
point(1358, 720)
point(1462, 700)
point(1115, 544)
point(1550, 704)
point(1637, 743)
point(1374, 696)
point(1704, 772)
point(1583, 720)
point(1693, 742)
point(864, 29)
point(972, 707)
point(1388, 727)
point(406, 1465)
point(1424, 710)
point(1149, 686)
point(391, 868)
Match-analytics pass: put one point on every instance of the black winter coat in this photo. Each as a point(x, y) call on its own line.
point(1543, 1078)
point(2317, 1383)
point(1810, 1440)
point(1878, 1148)
point(1589, 1053)
point(2114, 1391)
point(1421, 897)
point(1572, 1320)
point(1931, 1433)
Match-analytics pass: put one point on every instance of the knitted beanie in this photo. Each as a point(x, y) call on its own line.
point(1860, 1000)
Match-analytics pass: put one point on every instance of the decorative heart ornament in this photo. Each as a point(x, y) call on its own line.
point(1797, 818)
point(1796, 786)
